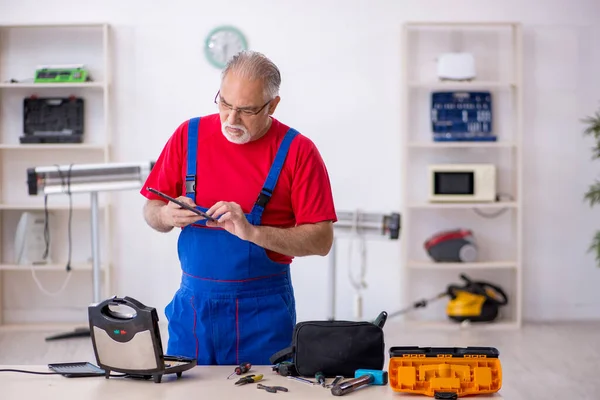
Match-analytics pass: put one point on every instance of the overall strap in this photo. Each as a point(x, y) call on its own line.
point(267, 190)
point(192, 149)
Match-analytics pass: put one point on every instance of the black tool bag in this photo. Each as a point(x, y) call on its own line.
point(335, 347)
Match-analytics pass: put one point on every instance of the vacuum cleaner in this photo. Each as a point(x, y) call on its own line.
point(475, 301)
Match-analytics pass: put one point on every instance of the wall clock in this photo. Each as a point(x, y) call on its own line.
point(222, 43)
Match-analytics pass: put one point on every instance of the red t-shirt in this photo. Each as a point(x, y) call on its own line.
point(232, 172)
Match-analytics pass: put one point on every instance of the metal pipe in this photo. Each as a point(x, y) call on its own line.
point(332, 283)
point(95, 246)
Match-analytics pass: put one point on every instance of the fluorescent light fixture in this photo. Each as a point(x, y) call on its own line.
point(87, 178)
point(372, 223)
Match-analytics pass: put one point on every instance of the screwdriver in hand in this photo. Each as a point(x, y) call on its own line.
point(241, 369)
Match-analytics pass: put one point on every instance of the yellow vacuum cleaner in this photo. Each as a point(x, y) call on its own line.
point(475, 301)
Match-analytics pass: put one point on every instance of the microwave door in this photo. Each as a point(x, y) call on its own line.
point(454, 186)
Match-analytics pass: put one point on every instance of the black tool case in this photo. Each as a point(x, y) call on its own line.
point(53, 120)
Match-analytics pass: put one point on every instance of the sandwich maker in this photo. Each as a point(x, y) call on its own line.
point(130, 342)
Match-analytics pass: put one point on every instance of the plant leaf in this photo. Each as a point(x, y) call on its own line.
point(596, 151)
point(593, 125)
point(593, 194)
point(595, 247)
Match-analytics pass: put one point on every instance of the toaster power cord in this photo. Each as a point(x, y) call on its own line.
point(23, 371)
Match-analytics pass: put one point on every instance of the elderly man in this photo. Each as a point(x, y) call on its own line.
point(269, 191)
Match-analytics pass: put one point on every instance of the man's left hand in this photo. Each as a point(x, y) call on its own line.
point(231, 217)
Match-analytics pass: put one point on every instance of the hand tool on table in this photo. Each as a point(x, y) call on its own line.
point(285, 368)
point(272, 389)
point(337, 380)
point(320, 378)
point(362, 377)
point(249, 379)
point(303, 380)
point(241, 369)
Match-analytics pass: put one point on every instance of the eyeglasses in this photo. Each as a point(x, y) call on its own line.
point(244, 111)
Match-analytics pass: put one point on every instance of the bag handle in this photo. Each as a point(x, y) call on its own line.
point(282, 355)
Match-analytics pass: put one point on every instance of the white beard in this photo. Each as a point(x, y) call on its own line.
point(242, 139)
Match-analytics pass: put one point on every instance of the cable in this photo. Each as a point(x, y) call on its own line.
point(360, 284)
point(46, 292)
point(23, 371)
point(490, 215)
point(65, 182)
point(498, 213)
point(12, 80)
point(30, 372)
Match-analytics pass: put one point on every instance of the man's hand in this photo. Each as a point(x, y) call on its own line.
point(163, 217)
point(174, 215)
point(231, 217)
point(302, 240)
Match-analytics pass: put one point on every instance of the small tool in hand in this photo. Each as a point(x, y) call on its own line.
point(249, 379)
point(320, 378)
point(272, 389)
point(241, 369)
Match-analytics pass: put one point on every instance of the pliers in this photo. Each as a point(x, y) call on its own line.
point(249, 379)
point(271, 389)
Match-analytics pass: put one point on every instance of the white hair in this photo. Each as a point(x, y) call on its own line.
point(253, 65)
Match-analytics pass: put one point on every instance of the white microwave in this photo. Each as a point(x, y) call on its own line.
point(462, 183)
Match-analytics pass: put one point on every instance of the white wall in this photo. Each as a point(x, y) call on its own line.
point(341, 68)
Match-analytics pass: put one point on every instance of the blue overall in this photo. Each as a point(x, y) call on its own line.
point(234, 304)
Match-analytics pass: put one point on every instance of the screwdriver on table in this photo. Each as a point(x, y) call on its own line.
point(241, 369)
point(320, 378)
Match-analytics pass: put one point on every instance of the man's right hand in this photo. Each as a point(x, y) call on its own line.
point(173, 215)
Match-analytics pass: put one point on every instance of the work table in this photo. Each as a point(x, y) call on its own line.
point(206, 382)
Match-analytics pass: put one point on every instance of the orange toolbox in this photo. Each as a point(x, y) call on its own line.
point(445, 372)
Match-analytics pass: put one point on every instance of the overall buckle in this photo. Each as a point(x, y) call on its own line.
point(190, 183)
point(263, 198)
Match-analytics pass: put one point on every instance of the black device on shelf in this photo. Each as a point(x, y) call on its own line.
point(52, 120)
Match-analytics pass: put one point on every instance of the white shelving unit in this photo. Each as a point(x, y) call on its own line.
point(22, 49)
point(497, 227)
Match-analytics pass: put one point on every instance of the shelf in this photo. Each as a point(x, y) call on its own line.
point(451, 85)
point(471, 265)
point(462, 25)
point(31, 85)
point(73, 25)
point(498, 60)
point(23, 48)
point(49, 267)
point(460, 144)
point(52, 146)
point(51, 207)
point(497, 204)
point(451, 325)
